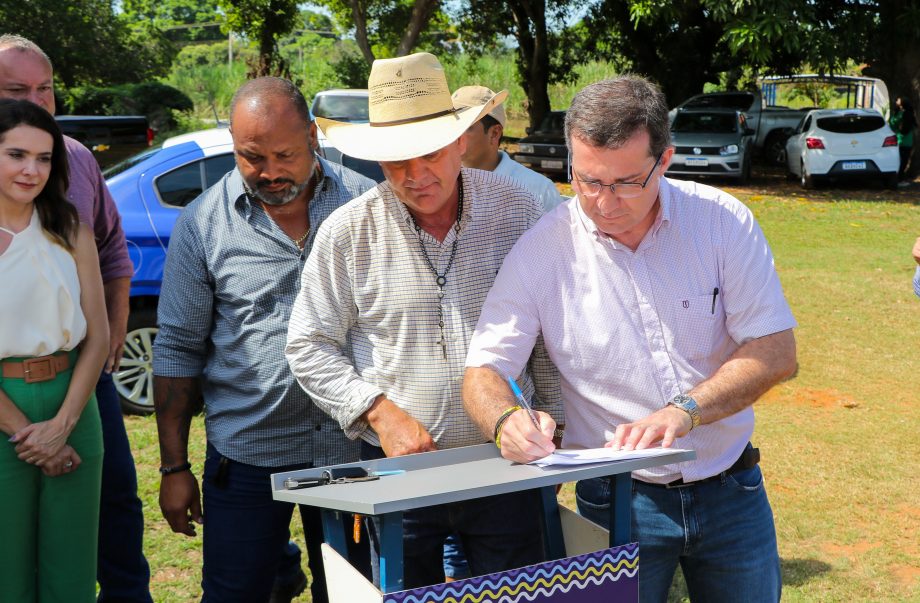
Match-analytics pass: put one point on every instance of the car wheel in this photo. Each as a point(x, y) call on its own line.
point(808, 181)
point(775, 149)
point(134, 379)
point(745, 176)
point(891, 180)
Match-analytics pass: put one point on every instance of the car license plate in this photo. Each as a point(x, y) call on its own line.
point(696, 162)
point(551, 164)
point(853, 165)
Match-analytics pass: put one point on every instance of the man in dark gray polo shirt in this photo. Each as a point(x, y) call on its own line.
point(232, 273)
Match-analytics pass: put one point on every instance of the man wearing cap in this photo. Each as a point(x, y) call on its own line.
point(391, 294)
point(660, 303)
point(482, 152)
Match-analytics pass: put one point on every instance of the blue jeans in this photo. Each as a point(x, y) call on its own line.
point(455, 565)
point(498, 533)
point(122, 570)
point(246, 534)
point(721, 532)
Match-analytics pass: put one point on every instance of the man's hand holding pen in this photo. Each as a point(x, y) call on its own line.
point(522, 442)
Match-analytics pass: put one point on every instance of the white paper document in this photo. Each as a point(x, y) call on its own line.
point(598, 455)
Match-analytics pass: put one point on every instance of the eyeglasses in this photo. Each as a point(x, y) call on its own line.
point(626, 190)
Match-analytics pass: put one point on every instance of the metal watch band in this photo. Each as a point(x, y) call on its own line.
point(688, 405)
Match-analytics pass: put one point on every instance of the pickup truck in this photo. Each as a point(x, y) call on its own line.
point(772, 125)
point(111, 138)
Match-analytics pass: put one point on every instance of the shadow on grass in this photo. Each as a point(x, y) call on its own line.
point(797, 572)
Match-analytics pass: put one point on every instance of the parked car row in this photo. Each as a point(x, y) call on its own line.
point(150, 189)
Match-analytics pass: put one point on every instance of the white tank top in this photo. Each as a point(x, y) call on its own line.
point(40, 309)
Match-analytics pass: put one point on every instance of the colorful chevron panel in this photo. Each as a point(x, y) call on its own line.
point(599, 577)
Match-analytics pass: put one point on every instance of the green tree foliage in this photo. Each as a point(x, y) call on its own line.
point(264, 22)
point(87, 41)
point(152, 99)
point(180, 20)
point(390, 28)
point(546, 52)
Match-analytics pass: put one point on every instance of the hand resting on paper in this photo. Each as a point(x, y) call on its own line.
point(661, 426)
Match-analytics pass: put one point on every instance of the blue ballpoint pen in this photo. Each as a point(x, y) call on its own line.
point(523, 402)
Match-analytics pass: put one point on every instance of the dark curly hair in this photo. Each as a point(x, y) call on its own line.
point(57, 216)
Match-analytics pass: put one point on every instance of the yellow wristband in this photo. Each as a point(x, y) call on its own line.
point(501, 423)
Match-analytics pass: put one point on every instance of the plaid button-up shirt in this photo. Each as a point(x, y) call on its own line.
point(366, 320)
point(230, 280)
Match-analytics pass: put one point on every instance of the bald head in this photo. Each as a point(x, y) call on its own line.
point(25, 72)
point(21, 44)
point(265, 95)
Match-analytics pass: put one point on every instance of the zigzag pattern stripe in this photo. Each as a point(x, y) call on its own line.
point(525, 588)
point(531, 575)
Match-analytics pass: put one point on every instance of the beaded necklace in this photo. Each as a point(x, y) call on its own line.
point(441, 278)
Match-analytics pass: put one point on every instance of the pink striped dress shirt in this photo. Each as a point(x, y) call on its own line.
point(628, 330)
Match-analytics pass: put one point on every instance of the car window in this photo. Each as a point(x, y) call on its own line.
point(807, 123)
point(740, 101)
point(182, 185)
point(179, 187)
point(851, 123)
point(553, 122)
point(709, 123)
point(341, 108)
point(215, 167)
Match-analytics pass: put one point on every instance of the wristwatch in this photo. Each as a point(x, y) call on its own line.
point(689, 406)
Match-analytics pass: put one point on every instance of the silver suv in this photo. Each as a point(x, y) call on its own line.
point(711, 142)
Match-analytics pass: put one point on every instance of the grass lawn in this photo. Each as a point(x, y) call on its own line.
point(839, 441)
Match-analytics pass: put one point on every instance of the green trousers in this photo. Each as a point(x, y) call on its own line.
point(49, 525)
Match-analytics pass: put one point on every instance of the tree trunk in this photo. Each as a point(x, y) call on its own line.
point(359, 14)
point(421, 14)
point(897, 63)
point(533, 55)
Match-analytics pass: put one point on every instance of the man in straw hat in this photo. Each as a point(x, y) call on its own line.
point(391, 294)
point(482, 152)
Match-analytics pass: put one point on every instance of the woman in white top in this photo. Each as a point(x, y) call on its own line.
point(53, 342)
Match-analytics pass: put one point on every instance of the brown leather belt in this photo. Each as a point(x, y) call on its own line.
point(38, 369)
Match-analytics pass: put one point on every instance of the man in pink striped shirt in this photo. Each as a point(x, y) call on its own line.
point(660, 305)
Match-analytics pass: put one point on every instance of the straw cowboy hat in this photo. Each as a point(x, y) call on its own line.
point(411, 112)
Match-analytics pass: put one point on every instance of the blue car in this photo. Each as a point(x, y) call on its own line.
point(150, 189)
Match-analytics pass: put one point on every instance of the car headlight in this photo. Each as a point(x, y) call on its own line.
point(731, 149)
point(525, 148)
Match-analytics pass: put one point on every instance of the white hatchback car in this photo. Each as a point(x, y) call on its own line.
point(843, 143)
point(349, 105)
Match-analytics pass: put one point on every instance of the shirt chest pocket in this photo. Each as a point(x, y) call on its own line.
point(696, 323)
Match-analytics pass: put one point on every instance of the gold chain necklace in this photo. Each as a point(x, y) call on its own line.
point(299, 241)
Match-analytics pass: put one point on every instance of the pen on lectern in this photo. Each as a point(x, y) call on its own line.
point(523, 402)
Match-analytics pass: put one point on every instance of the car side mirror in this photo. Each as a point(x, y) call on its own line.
point(749, 131)
point(528, 130)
